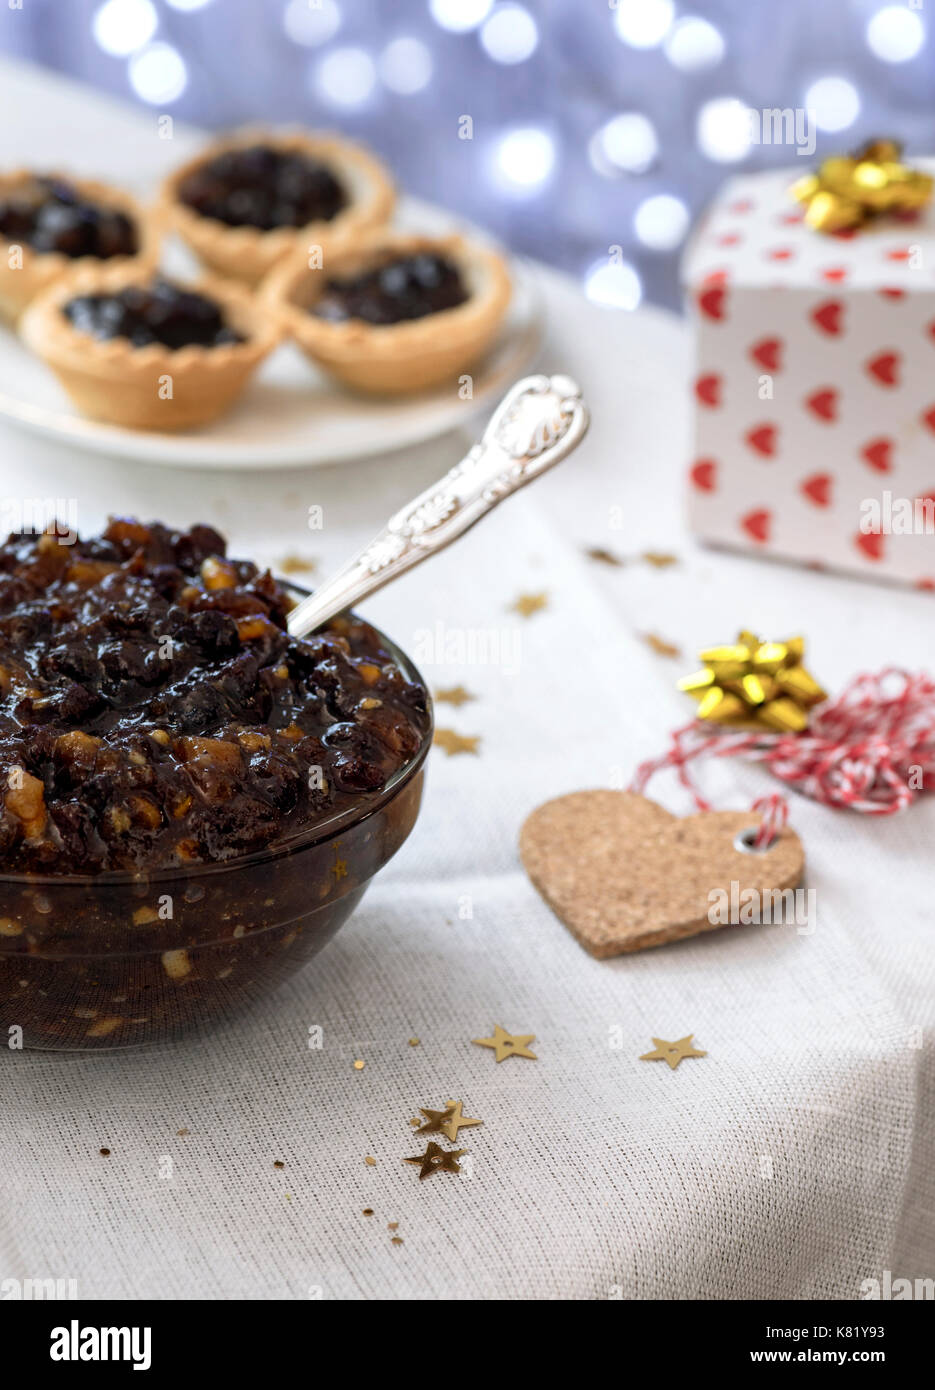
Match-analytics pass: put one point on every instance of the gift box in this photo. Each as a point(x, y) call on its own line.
point(814, 383)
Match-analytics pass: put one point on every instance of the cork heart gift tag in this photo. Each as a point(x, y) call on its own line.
point(623, 873)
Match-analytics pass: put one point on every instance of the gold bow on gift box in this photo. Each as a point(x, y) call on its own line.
point(850, 190)
point(755, 683)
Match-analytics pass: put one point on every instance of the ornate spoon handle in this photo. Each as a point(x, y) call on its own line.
point(537, 424)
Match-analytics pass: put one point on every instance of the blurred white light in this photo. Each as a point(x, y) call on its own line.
point(120, 27)
point(693, 44)
point(643, 23)
point(158, 74)
point(405, 66)
point(723, 129)
point(346, 77)
point(626, 142)
point(895, 34)
point(460, 15)
point(833, 102)
point(524, 159)
point(510, 34)
point(661, 222)
point(188, 4)
point(311, 25)
point(615, 284)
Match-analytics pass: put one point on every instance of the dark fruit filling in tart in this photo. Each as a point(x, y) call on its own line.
point(407, 287)
point(159, 312)
point(263, 187)
point(156, 713)
point(50, 215)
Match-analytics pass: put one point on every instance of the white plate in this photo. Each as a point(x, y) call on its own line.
point(290, 415)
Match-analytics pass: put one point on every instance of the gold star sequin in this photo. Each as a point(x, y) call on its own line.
point(672, 1052)
point(296, 564)
point(659, 560)
point(456, 743)
point(660, 646)
point(527, 604)
point(603, 556)
point(447, 1121)
point(454, 695)
point(507, 1044)
point(437, 1160)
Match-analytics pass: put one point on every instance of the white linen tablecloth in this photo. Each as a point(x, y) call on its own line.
point(797, 1159)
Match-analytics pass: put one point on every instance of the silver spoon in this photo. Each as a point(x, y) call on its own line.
point(537, 424)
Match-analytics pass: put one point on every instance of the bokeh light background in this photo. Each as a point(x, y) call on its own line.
point(596, 123)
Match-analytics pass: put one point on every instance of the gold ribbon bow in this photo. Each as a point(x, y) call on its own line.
point(850, 190)
point(755, 682)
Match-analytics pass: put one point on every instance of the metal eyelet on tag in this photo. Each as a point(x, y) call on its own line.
point(745, 842)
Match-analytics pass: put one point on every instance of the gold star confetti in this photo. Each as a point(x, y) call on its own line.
point(359, 1064)
point(396, 1240)
point(672, 1052)
point(368, 1211)
point(181, 1133)
point(296, 564)
point(392, 1225)
point(527, 604)
point(447, 1121)
point(339, 868)
point(456, 743)
point(660, 646)
point(415, 1123)
point(278, 1163)
point(659, 559)
point(370, 1161)
point(413, 1042)
point(604, 557)
point(437, 1160)
point(507, 1044)
point(454, 695)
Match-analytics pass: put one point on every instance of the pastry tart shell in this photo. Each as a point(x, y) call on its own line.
point(397, 358)
point(25, 276)
point(152, 387)
point(249, 253)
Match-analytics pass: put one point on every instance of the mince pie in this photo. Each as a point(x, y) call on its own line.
point(146, 352)
point(49, 223)
point(396, 312)
point(247, 202)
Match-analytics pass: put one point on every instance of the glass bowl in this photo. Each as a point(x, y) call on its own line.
point(120, 960)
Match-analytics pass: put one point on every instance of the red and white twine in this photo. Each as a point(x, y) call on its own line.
point(871, 750)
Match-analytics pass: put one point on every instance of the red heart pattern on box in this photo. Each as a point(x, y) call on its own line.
point(814, 382)
point(767, 353)
point(885, 367)
point(708, 389)
point(704, 474)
